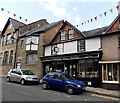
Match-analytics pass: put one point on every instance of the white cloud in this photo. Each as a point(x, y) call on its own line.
point(55, 6)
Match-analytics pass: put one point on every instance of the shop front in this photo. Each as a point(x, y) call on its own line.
point(110, 74)
point(82, 66)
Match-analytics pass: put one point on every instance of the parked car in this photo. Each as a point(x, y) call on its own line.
point(63, 81)
point(22, 75)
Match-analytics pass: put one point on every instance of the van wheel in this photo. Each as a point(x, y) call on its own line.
point(8, 79)
point(44, 86)
point(70, 90)
point(22, 81)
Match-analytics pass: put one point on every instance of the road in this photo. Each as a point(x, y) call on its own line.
point(17, 92)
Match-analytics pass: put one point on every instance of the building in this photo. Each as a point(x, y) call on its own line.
point(30, 46)
point(9, 42)
point(75, 53)
point(110, 62)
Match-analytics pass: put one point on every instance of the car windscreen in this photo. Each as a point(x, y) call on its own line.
point(69, 77)
point(27, 72)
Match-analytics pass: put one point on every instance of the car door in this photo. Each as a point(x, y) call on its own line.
point(59, 82)
point(18, 75)
point(13, 75)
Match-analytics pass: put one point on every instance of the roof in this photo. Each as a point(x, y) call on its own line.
point(95, 32)
point(16, 24)
point(40, 29)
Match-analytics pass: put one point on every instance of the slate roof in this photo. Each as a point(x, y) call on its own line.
point(95, 32)
point(41, 29)
point(16, 24)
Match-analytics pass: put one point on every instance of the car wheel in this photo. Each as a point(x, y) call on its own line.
point(44, 86)
point(8, 79)
point(70, 90)
point(22, 81)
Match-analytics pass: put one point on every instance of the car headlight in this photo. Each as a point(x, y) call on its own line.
point(78, 86)
point(28, 77)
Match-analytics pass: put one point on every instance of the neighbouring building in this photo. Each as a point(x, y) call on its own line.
point(30, 46)
point(110, 62)
point(9, 41)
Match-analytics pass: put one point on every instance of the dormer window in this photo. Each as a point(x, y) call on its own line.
point(71, 34)
point(62, 36)
point(32, 43)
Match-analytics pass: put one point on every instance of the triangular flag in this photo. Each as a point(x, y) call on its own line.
point(117, 7)
point(100, 15)
point(34, 23)
point(14, 15)
point(91, 20)
point(88, 21)
point(111, 10)
point(85, 22)
point(96, 18)
point(38, 24)
point(105, 13)
point(2, 9)
point(77, 26)
point(82, 23)
point(8, 12)
point(26, 20)
point(20, 17)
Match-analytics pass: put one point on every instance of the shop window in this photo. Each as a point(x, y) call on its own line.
point(110, 72)
point(31, 58)
point(62, 36)
point(11, 56)
point(81, 45)
point(88, 68)
point(71, 34)
point(32, 43)
point(5, 59)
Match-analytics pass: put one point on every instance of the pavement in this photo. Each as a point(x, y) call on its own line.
point(101, 91)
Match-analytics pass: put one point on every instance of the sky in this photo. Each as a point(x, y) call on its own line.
point(74, 11)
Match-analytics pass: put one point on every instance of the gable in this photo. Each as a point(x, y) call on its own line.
point(114, 25)
point(66, 28)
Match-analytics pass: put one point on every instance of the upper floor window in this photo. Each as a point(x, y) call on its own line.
point(71, 34)
point(81, 45)
point(11, 56)
point(5, 59)
point(8, 39)
point(31, 58)
point(22, 44)
point(119, 41)
point(62, 36)
point(32, 43)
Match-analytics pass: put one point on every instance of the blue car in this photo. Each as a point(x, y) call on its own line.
point(62, 81)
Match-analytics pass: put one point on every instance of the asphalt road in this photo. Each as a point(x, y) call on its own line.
point(17, 92)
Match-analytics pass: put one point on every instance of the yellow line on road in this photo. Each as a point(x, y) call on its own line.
point(105, 97)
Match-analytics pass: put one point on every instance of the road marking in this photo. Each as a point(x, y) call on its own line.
point(105, 97)
point(67, 96)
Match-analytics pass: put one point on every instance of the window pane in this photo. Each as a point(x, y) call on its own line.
point(109, 72)
point(28, 40)
point(104, 72)
point(115, 72)
point(71, 34)
point(27, 47)
point(35, 40)
point(34, 47)
point(63, 35)
point(31, 58)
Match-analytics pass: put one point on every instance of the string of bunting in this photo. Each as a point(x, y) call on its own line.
point(83, 23)
point(20, 17)
point(97, 17)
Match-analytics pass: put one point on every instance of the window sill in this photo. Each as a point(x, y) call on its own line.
point(33, 64)
point(113, 82)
